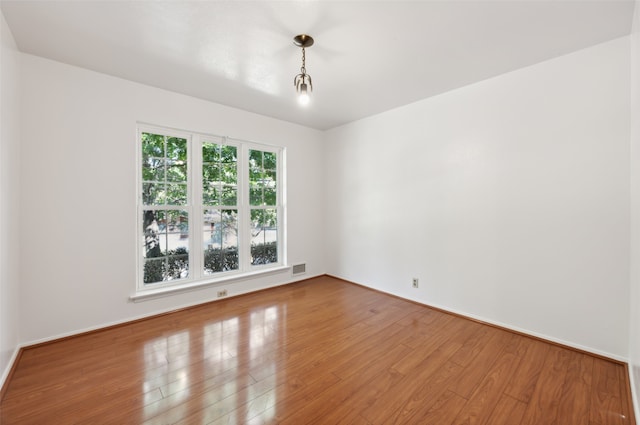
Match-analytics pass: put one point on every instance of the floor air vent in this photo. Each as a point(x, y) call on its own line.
point(299, 268)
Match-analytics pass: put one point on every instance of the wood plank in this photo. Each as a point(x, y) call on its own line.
point(606, 404)
point(477, 368)
point(352, 393)
point(444, 410)
point(423, 395)
point(543, 406)
point(625, 393)
point(483, 400)
point(576, 393)
point(508, 411)
point(406, 388)
point(526, 377)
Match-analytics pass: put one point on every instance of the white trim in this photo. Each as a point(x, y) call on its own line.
point(196, 218)
point(77, 332)
point(532, 333)
point(244, 211)
point(164, 291)
point(282, 204)
point(10, 365)
point(500, 324)
point(634, 394)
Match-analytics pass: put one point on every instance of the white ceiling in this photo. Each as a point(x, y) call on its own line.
point(368, 56)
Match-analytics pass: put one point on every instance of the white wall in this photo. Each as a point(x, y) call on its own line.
point(634, 327)
point(9, 197)
point(508, 199)
point(78, 178)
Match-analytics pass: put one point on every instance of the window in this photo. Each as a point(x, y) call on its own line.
point(209, 207)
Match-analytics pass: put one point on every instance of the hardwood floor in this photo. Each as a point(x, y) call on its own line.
point(321, 351)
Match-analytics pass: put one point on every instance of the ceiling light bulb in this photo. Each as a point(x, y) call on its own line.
point(303, 99)
point(303, 95)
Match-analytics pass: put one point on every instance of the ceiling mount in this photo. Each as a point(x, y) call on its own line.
point(303, 40)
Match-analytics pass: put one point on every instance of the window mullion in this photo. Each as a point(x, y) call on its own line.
point(196, 208)
point(244, 240)
point(280, 207)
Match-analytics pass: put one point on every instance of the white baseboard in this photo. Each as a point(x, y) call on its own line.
point(533, 334)
point(634, 393)
point(501, 325)
point(10, 365)
point(155, 313)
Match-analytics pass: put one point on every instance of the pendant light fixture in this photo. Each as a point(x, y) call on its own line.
point(303, 80)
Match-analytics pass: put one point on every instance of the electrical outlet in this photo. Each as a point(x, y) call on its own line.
point(222, 293)
point(415, 282)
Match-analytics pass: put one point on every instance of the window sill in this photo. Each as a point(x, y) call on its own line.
point(150, 294)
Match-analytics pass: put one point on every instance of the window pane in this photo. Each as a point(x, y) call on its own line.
point(152, 145)
point(269, 197)
point(264, 236)
point(177, 171)
point(177, 229)
point(177, 265)
point(255, 196)
point(220, 236)
point(269, 161)
point(229, 173)
point(210, 152)
point(269, 184)
point(153, 170)
point(210, 173)
point(219, 175)
point(176, 194)
point(151, 234)
point(229, 184)
point(176, 149)
point(153, 193)
point(229, 196)
point(229, 154)
point(210, 195)
point(166, 245)
point(269, 178)
point(255, 175)
point(154, 270)
point(255, 159)
point(262, 178)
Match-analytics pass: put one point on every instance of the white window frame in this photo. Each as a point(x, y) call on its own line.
point(195, 209)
